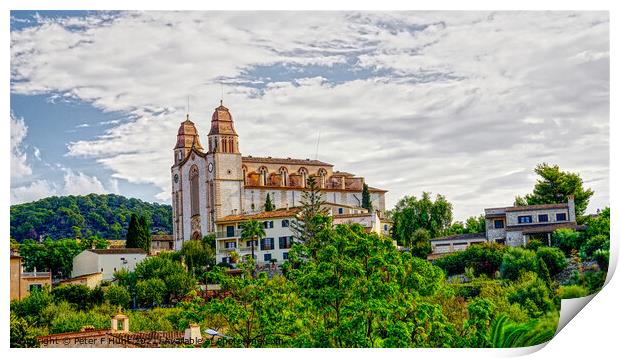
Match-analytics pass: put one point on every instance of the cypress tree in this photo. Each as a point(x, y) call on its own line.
point(268, 203)
point(144, 234)
point(366, 202)
point(131, 240)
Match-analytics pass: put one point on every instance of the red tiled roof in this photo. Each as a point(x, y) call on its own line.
point(117, 251)
point(251, 159)
point(282, 213)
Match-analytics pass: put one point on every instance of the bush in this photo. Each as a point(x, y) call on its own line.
point(483, 258)
point(157, 319)
point(598, 242)
point(517, 261)
point(117, 296)
point(602, 259)
point(73, 321)
point(567, 240)
point(22, 334)
point(572, 291)
point(532, 294)
point(534, 244)
point(554, 259)
point(32, 306)
point(150, 292)
point(79, 295)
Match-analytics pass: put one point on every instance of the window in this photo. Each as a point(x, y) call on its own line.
point(498, 224)
point(230, 231)
point(267, 257)
point(263, 175)
point(194, 190)
point(252, 243)
point(285, 255)
point(230, 245)
point(285, 223)
point(543, 218)
point(525, 219)
point(268, 224)
point(285, 242)
point(226, 260)
point(385, 227)
point(35, 287)
point(560, 217)
point(340, 211)
point(266, 243)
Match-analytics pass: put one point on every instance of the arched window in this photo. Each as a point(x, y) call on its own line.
point(194, 191)
point(304, 176)
point(263, 175)
point(245, 174)
point(283, 176)
point(322, 177)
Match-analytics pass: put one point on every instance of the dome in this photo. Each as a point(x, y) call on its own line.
point(187, 136)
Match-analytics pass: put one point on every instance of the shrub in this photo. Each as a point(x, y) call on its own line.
point(77, 294)
point(22, 334)
point(32, 306)
point(517, 261)
point(602, 259)
point(483, 258)
point(157, 319)
point(72, 321)
point(534, 244)
point(150, 292)
point(598, 242)
point(532, 294)
point(572, 291)
point(554, 259)
point(567, 240)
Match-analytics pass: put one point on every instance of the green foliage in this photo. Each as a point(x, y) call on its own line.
point(55, 256)
point(572, 291)
point(268, 204)
point(305, 226)
point(483, 258)
point(106, 216)
point(517, 261)
point(411, 214)
point(32, 306)
point(177, 282)
point(532, 294)
point(555, 186)
point(597, 242)
point(72, 321)
point(23, 335)
point(154, 320)
point(567, 240)
point(133, 232)
point(366, 202)
point(252, 230)
point(534, 244)
point(507, 334)
point(420, 243)
point(599, 224)
point(79, 295)
point(475, 224)
point(602, 259)
point(117, 295)
point(151, 292)
point(477, 325)
point(554, 259)
point(197, 255)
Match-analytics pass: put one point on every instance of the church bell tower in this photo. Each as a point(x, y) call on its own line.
point(225, 176)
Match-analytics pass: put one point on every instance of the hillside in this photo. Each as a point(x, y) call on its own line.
point(106, 215)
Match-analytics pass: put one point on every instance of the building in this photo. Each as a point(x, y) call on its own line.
point(119, 336)
point(515, 225)
point(161, 243)
point(91, 280)
point(106, 261)
point(453, 243)
point(22, 283)
point(215, 181)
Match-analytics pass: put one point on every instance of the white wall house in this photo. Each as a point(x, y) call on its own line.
point(106, 261)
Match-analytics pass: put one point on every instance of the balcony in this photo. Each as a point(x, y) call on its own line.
point(228, 234)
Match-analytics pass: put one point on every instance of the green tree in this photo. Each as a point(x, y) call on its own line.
point(420, 243)
point(268, 203)
point(132, 237)
point(567, 240)
point(197, 256)
point(554, 259)
point(144, 233)
point(76, 294)
point(475, 224)
point(411, 214)
point(366, 201)
point(252, 230)
point(118, 296)
point(23, 334)
point(304, 227)
point(151, 292)
point(517, 261)
point(555, 186)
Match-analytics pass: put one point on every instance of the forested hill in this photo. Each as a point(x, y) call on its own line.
point(85, 215)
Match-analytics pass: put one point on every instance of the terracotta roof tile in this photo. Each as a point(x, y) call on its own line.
point(282, 213)
point(117, 251)
point(251, 159)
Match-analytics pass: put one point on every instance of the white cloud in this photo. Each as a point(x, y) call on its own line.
point(459, 103)
point(19, 164)
point(36, 152)
point(78, 183)
point(33, 191)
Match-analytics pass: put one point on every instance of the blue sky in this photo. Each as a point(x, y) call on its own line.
point(464, 104)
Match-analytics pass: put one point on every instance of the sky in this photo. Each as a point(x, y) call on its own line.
point(463, 104)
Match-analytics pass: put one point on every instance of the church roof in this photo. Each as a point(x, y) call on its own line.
point(222, 121)
point(251, 159)
point(187, 135)
point(280, 213)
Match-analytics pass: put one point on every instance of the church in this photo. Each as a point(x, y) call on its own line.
point(215, 182)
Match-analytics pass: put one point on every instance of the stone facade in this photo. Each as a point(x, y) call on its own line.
point(514, 225)
point(211, 183)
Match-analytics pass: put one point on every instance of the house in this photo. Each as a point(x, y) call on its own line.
point(453, 243)
point(106, 261)
point(91, 280)
point(22, 283)
point(161, 243)
point(516, 225)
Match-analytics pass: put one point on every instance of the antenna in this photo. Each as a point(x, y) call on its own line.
point(318, 141)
